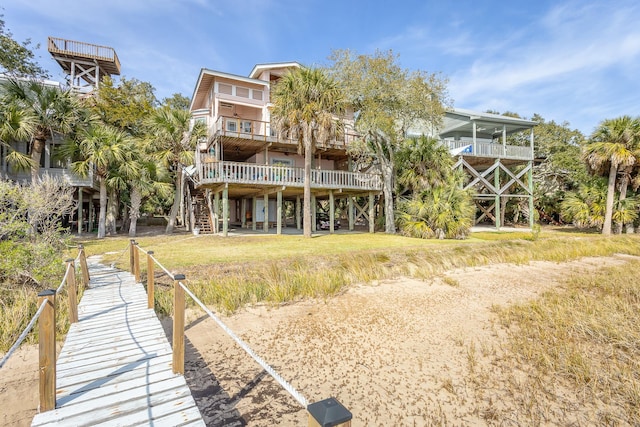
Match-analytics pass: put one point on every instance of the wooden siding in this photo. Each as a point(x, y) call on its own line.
point(115, 365)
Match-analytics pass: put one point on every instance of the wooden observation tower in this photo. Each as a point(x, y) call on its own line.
point(85, 64)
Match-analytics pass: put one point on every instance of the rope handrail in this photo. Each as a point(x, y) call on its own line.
point(162, 267)
point(64, 279)
point(24, 334)
point(296, 395)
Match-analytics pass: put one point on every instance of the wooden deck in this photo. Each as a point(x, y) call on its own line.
point(115, 365)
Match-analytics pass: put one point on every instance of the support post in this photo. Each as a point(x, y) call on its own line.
point(254, 208)
point(314, 224)
point(132, 243)
point(136, 262)
point(329, 412)
point(72, 291)
point(225, 211)
point(216, 208)
point(243, 212)
point(532, 218)
point(496, 184)
point(150, 281)
point(298, 216)
point(178, 325)
point(372, 214)
point(47, 351)
point(351, 213)
point(332, 212)
point(279, 213)
point(90, 228)
point(265, 223)
point(80, 212)
point(83, 266)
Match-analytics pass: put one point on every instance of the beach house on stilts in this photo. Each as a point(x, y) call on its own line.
point(496, 152)
point(247, 176)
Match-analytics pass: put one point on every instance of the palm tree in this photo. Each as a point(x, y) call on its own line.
point(612, 147)
point(51, 110)
point(305, 104)
point(106, 149)
point(174, 141)
point(16, 124)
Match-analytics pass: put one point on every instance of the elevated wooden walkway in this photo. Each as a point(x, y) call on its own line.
point(115, 365)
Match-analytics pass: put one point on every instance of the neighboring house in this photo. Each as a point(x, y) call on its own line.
point(250, 175)
point(496, 152)
point(85, 64)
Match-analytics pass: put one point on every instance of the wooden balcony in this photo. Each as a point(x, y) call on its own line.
point(272, 175)
point(65, 175)
point(243, 137)
point(63, 50)
point(488, 150)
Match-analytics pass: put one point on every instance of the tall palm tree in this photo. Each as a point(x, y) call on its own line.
point(104, 148)
point(305, 104)
point(611, 147)
point(174, 141)
point(52, 110)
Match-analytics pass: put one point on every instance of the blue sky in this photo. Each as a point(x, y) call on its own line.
point(575, 61)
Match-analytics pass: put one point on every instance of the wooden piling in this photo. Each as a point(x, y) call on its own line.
point(47, 350)
point(150, 280)
point(178, 325)
point(72, 291)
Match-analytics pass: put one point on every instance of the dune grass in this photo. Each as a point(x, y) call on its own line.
point(586, 334)
point(229, 273)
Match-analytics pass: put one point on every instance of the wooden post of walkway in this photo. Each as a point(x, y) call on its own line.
point(47, 350)
point(136, 261)
point(150, 280)
point(132, 243)
point(83, 266)
point(178, 325)
point(72, 290)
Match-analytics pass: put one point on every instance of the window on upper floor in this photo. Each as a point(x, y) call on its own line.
point(57, 160)
point(225, 88)
point(257, 95)
point(242, 92)
point(245, 126)
point(232, 126)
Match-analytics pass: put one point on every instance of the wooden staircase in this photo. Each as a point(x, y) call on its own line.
point(201, 213)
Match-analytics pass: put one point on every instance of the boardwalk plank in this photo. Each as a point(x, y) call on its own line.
point(115, 365)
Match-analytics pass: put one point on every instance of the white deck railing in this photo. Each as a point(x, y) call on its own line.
point(486, 149)
point(251, 173)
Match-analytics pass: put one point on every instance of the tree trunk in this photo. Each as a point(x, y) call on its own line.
point(112, 213)
point(611, 189)
point(624, 183)
point(134, 212)
point(306, 219)
point(387, 189)
point(36, 154)
point(176, 201)
point(103, 208)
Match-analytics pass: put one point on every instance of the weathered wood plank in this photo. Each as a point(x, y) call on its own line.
point(115, 367)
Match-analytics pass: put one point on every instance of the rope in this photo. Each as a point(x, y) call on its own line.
point(64, 279)
point(24, 334)
point(296, 395)
point(162, 267)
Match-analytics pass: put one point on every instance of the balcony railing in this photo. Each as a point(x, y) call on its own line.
point(251, 173)
point(63, 174)
point(257, 130)
point(492, 150)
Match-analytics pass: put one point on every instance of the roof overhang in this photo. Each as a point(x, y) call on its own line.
point(460, 122)
point(259, 68)
point(206, 80)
